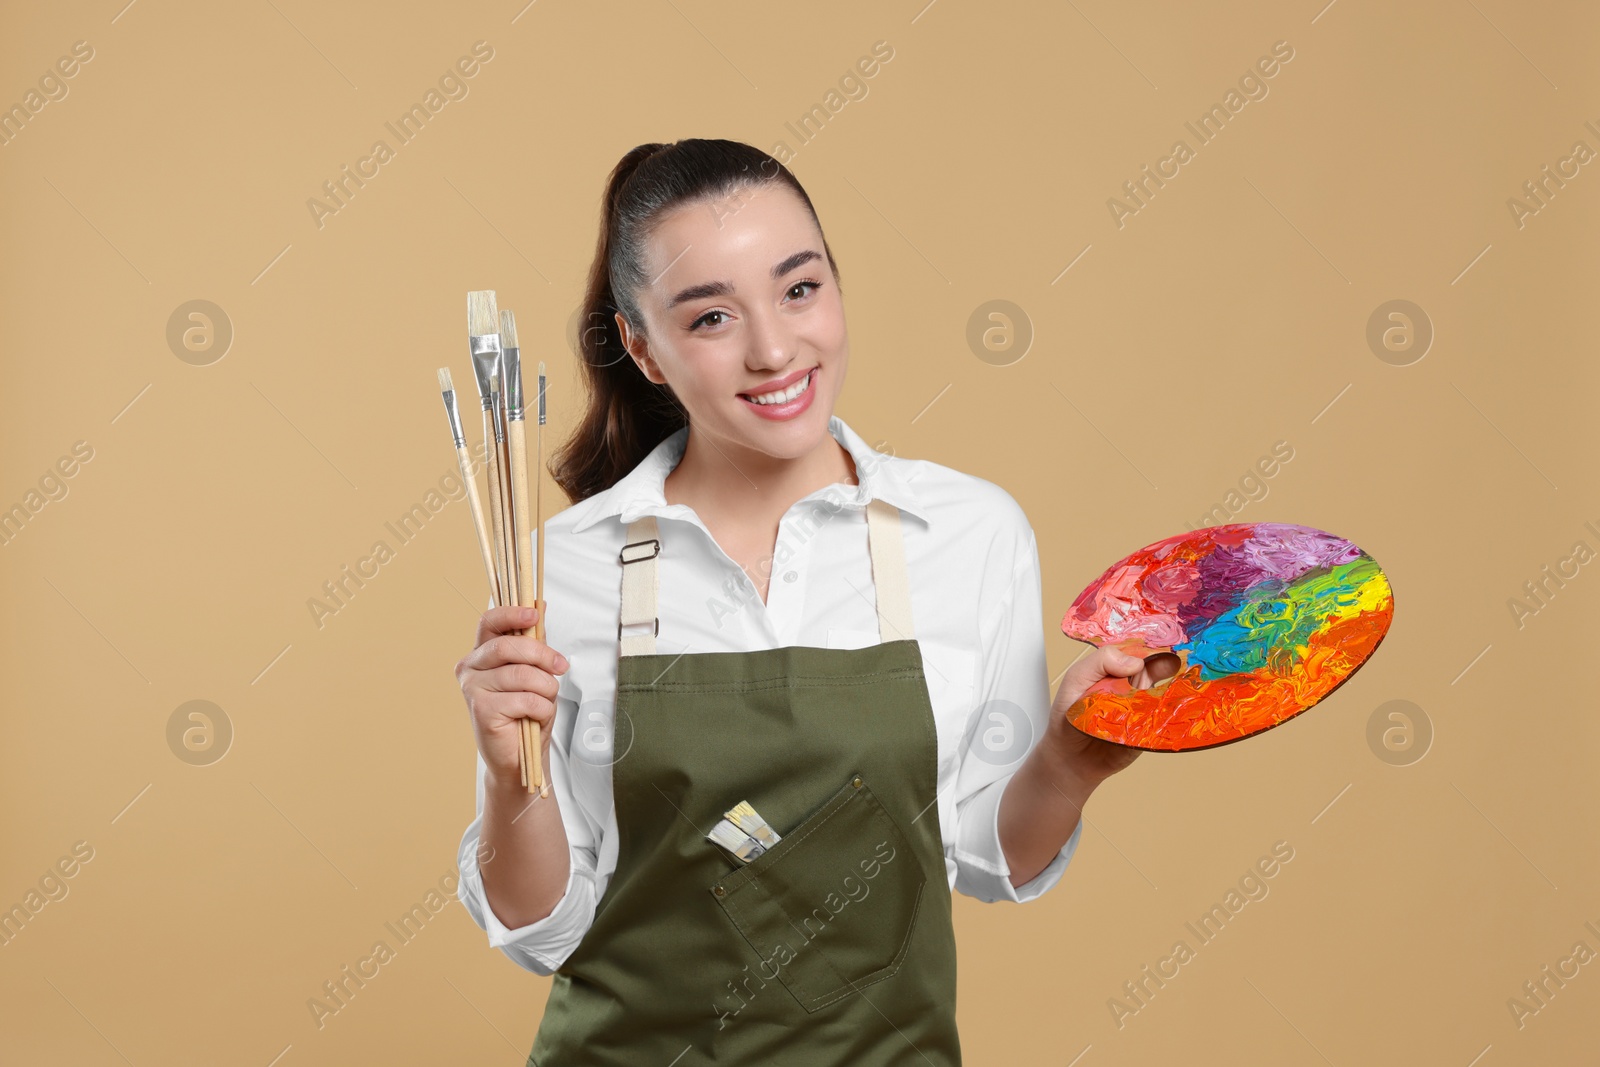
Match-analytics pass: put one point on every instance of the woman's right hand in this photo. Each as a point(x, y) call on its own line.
point(507, 677)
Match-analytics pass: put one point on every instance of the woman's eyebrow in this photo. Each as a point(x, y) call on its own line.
point(705, 289)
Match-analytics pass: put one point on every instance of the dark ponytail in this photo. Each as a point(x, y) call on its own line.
point(626, 414)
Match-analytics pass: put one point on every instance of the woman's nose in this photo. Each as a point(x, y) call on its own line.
point(772, 343)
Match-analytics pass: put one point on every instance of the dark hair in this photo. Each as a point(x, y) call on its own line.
point(626, 415)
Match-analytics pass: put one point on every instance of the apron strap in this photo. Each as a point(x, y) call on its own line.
point(641, 579)
point(892, 587)
point(641, 583)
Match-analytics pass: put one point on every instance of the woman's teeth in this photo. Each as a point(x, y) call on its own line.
point(785, 395)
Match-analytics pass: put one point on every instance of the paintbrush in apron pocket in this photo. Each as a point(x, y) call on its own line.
point(744, 832)
point(743, 847)
point(745, 818)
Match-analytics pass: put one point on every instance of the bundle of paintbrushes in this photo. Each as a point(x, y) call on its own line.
point(516, 576)
point(743, 832)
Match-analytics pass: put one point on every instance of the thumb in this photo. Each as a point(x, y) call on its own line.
point(1091, 672)
point(1121, 663)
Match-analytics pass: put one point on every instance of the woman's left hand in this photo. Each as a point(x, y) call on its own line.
point(1042, 805)
point(1090, 758)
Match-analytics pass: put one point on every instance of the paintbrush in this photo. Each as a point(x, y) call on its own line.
point(454, 414)
point(517, 446)
point(744, 847)
point(508, 539)
point(484, 341)
point(538, 519)
point(502, 473)
point(538, 512)
point(485, 364)
point(538, 504)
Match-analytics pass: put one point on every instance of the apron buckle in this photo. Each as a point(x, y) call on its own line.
point(623, 555)
point(657, 622)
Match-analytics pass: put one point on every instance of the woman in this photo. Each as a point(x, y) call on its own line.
point(758, 607)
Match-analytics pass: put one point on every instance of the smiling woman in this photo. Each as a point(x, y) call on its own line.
point(745, 208)
point(846, 694)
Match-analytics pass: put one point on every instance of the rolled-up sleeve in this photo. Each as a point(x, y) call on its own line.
point(540, 946)
point(1011, 711)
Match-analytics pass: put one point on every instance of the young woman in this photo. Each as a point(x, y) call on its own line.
point(755, 606)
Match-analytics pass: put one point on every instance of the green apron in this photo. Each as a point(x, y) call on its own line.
point(835, 947)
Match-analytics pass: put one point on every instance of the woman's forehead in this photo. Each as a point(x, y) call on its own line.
point(739, 239)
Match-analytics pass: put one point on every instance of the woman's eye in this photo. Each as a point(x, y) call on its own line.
point(805, 287)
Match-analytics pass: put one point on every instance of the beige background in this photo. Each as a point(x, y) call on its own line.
point(1227, 314)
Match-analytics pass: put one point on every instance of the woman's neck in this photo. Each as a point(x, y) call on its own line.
point(722, 479)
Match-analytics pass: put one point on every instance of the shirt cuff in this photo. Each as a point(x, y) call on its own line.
point(543, 945)
point(981, 868)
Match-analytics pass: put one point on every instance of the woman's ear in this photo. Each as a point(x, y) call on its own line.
point(638, 347)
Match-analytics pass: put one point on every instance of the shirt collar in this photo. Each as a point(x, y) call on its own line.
point(879, 475)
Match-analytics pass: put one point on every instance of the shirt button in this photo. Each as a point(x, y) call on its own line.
point(789, 576)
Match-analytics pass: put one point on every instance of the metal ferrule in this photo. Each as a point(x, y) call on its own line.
point(495, 399)
point(511, 382)
point(485, 350)
point(455, 418)
point(541, 400)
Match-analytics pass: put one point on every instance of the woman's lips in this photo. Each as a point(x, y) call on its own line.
point(789, 408)
point(778, 385)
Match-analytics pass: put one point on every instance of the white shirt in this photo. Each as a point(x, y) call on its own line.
point(973, 567)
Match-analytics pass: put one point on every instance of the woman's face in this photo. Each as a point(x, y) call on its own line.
point(741, 297)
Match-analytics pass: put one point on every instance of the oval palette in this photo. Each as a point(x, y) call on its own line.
point(1265, 618)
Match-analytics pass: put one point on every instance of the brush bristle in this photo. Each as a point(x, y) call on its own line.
point(508, 329)
point(481, 317)
point(444, 381)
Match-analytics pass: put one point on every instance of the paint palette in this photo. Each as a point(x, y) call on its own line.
point(1265, 618)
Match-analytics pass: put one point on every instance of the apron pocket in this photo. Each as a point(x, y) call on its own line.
point(831, 907)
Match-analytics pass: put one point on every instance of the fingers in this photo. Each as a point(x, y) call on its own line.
point(518, 678)
point(504, 620)
point(499, 717)
point(1160, 668)
point(508, 676)
point(512, 648)
point(509, 706)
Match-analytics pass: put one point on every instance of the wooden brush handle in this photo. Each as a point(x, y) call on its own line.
point(508, 536)
point(542, 788)
point(517, 444)
point(476, 505)
point(496, 520)
point(538, 515)
point(538, 518)
point(505, 591)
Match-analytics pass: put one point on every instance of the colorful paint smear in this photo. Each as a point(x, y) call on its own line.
point(1267, 619)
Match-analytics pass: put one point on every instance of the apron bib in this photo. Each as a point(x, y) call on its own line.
point(835, 947)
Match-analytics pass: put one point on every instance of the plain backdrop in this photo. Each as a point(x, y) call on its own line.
point(1144, 359)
